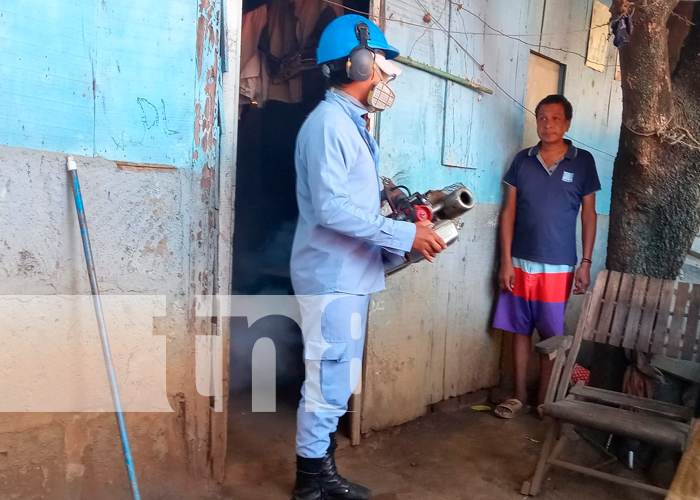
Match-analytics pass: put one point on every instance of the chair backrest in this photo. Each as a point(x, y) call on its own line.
point(645, 314)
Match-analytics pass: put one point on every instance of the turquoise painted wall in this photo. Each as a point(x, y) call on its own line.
point(439, 132)
point(109, 78)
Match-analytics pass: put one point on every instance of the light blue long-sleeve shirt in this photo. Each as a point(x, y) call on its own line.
point(340, 233)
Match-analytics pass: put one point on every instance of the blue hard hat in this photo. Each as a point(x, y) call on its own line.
point(339, 38)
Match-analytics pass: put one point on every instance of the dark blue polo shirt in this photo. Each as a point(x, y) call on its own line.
point(548, 202)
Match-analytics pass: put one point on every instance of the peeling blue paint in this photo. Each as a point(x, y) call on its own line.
point(110, 78)
point(208, 80)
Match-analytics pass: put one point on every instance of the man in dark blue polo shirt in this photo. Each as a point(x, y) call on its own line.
point(547, 185)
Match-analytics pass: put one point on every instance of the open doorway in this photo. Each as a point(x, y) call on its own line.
point(280, 85)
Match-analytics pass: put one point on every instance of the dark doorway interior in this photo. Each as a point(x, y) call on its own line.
point(265, 205)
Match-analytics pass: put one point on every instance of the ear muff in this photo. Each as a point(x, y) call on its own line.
point(360, 63)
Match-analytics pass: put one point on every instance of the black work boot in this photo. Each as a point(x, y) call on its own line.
point(309, 484)
point(336, 486)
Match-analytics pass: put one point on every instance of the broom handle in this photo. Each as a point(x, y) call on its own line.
point(96, 300)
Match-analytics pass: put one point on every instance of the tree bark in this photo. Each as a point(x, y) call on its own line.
point(678, 28)
point(655, 205)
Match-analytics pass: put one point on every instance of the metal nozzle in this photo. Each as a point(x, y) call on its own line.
point(457, 203)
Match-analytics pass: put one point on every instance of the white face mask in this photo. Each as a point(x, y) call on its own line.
point(380, 97)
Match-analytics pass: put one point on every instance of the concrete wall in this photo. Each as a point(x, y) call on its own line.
point(132, 91)
point(429, 332)
point(140, 235)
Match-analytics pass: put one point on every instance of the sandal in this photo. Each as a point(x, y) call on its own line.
point(511, 408)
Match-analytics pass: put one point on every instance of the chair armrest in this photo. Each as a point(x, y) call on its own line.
point(553, 344)
point(683, 369)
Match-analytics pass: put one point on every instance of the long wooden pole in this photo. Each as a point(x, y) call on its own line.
point(443, 74)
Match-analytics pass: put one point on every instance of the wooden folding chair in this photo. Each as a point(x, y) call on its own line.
point(634, 312)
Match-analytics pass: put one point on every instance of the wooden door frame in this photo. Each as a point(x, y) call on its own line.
point(232, 12)
point(377, 10)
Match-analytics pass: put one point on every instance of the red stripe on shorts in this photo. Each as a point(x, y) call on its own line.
point(543, 287)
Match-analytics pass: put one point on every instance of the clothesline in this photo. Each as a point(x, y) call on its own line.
point(481, 66)
point(513, 98)
point(497, 32)
point(254, 89)
point(481, 33)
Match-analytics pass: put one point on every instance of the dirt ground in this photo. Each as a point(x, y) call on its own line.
point(456, 455)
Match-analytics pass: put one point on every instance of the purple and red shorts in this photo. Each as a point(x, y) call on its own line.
point(538, 299)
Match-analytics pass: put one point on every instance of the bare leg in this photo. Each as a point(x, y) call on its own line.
point(546, 366)
point(521, 356)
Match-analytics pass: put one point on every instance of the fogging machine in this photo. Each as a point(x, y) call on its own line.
point(442, 207)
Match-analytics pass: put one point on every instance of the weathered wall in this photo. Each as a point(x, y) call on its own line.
point(439, 132)
point(137, 84)
point(89, 78)
point(429, 332)
point(138, 231)
point(428, 335)
point(140, 83)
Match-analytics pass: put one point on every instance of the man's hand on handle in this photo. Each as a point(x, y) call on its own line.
point(427, 241)
point(506, 277)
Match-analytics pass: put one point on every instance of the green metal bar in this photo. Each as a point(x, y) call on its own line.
point(442, 74)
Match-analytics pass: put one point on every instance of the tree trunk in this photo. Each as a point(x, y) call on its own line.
point(655, 206)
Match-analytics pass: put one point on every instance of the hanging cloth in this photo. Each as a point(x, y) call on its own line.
point(622, 30)
point(252, 25)
point(288, 44)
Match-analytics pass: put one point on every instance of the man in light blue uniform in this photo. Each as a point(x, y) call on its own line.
point(337, 254)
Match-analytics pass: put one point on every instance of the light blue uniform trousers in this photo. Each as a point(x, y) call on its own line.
point(334, 327)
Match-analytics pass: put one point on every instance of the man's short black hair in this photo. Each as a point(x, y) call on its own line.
point(338, 78)
point(557, 99)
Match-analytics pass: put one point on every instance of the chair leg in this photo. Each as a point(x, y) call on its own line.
point(547, 448)
point(556, 451)
point(559, 447)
